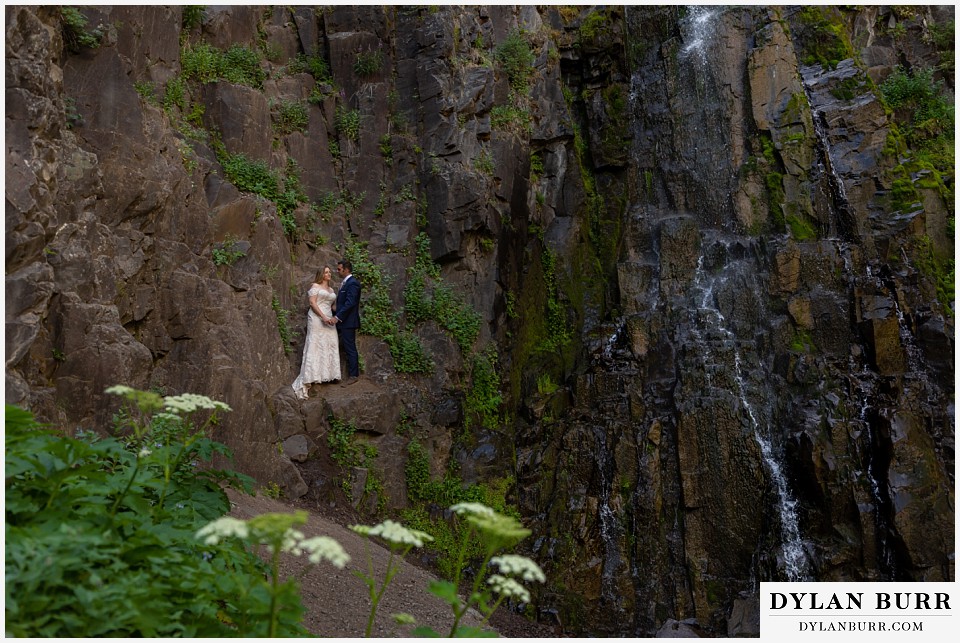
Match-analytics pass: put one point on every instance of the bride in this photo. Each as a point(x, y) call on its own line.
point(321, 353)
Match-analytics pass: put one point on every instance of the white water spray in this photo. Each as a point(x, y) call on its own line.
point(794, 555)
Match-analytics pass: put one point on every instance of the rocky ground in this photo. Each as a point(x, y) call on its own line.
point(336, 601)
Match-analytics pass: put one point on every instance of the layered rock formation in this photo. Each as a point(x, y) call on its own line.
point(698, 247)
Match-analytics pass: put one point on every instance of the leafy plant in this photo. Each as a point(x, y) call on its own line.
point(192, 16)
point(483, 398)
point(516, 58)
point(510, 118)
point(100, 531)
point(495, 532)
point(368, 62)
point(251, 176)
point(343, 450)
point(557, 330)
point(380, 317)
point(227, 253)
point(291, 116)
point(175, 94)
point(400, 540)
point(546, 385)
point(146, 90)
point(287, 334)
point(484, 163)
point(206, 64)
point(73, 117)
point(278, 534)
point(348, 122)
point(439, 302)
point(242, 67)
point(314, 65)
point(918, 94)
point(75, 33)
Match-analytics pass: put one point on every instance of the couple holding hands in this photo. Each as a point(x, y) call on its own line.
point(333, 319)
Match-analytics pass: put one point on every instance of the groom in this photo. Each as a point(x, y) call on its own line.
point(347, 318)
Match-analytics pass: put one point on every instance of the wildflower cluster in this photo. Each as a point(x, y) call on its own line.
point(394, 533)
point(190, 402)
point(277, 532)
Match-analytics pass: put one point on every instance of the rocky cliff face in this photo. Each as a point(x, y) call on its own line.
point(674, 272)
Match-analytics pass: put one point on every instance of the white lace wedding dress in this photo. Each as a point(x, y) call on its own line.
point(321, 351)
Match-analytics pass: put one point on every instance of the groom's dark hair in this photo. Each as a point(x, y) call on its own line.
point(346, 264)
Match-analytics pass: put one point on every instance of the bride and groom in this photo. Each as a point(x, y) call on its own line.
point(333, 319)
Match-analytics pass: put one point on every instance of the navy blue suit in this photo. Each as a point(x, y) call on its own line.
point(348, 312)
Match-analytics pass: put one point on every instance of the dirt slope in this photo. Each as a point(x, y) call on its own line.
point(336, 601)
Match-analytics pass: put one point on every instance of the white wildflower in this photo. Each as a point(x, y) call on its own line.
point(221, 528)
point(394, 532)
point(291, 542)
point(508, 588)
point(325, 548)
point(144, 452)
point(120, 389)
point(472, 509)
point(514, 565)
point(190, 402)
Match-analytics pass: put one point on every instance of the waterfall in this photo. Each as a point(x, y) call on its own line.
point(811, 76)
point(697, 26)
point(708, 313)
point(610, 529)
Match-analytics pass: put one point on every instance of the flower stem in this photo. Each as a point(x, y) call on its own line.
point(275, 571)
point(113, 512)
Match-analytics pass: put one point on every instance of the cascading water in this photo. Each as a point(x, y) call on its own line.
point(610, 530)
point(843, 220)
point(698, 26)
point(710, 322)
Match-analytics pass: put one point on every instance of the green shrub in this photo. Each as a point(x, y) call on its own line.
point(368, 63)
point(516, 58)
point(416, 471)
point(227, 253)
point(408, 354)
point(192, 16)
point(291, 116)
point(75, 33)
point(146, 91)
point(347, 122)
point(314, 65)
point(251, 176)
point(483, 400)
point(101, 532)
point(923, 98)
point(823, 38)
point(427, 297)
point(557, 330)
point(343, 449)
point(242, 67)
point(175, 94)
point(206, 64)
point(484, 163)
point(200, 62)
point(511, 118)
point(287, 334)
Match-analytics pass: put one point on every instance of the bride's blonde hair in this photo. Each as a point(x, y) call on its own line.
point(319, 277)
